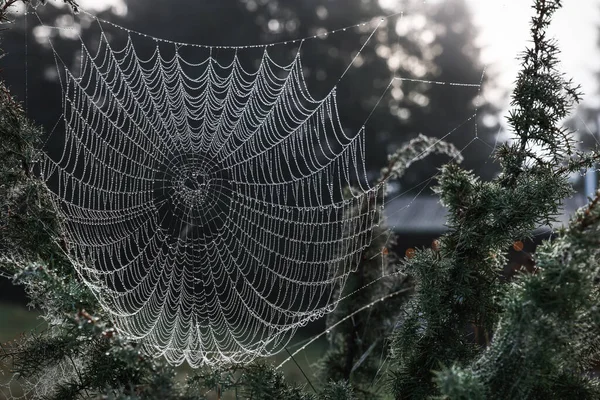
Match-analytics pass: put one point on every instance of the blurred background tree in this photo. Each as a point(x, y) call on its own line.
point(433, 43)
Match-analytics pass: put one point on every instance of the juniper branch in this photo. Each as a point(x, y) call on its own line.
point(460, 286)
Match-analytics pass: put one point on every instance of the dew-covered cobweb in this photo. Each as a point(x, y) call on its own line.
point(213, 206)
point(204, 201)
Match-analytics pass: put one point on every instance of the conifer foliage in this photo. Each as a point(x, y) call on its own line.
point(359, 345)
point(547, 339)
point(537, 323)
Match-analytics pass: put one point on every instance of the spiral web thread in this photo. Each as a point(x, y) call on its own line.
point(205, 202)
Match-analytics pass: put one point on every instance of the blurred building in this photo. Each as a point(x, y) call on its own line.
point(419, 221)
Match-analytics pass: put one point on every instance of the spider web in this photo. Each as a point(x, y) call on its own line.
point(205, 202)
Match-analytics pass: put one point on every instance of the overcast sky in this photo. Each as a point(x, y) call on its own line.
point(504, 29)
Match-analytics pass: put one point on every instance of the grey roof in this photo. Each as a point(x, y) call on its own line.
point(425, 214)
